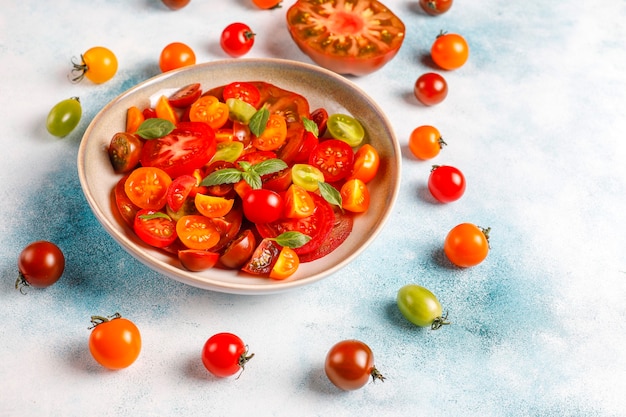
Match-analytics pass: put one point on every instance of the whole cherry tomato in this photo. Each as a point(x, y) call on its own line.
point(446, 183)
point(436, 7)
point(267, 4)
point(40, 265)
point(225, 354)
point(176, 55)
point(176, 4)
point(467, 245)
point(420, 306)
point(350, 364)
point(262, 206)
point(98, 64)
point(425, 142)
point(114, 342)
point(237, 39)
point(431, 88)
point(450, 51)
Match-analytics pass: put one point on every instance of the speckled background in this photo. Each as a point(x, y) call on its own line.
point(536, 122)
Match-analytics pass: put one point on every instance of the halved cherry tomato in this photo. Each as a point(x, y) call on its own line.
point(155, 228)
point(165, 111)
point(134, 119)
point(197, 232)
point(188, 147)
point(263, 258)
point(213, 206)
point(298, 202)
point(124, 151)
point(334, 158)
point(309, 142)
point(148, 113)
point(320, 117)
point(342, 227)
point(278, 181)
point(355, 196)
point(210, 110)
point(179, 190)
point(228, 226)
point(126, 208)
point(219, 190)
point(255, 157)
point(349, 37)
point(243, 91)
point(307, 176)
point(196, 260)
point(147, 187)
point(239, 250)
point(286, 264)
point(366, 163)
point(274, 135)
point(185, 96)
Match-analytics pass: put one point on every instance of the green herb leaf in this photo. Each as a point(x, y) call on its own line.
point(155, 215)
point(310, 126)
point(269, 166)
point(253, 179)
point(330, 194)
point(258, 121)
point(222, 176)
point(292, 239)
point(155, 128)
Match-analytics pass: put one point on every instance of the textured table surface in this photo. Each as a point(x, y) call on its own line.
point(536, 122)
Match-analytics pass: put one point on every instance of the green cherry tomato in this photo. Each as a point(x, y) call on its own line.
point(239, 110)
point(306, 176)
point(64, 117)
point(346, 128)
point(228, 151)
point(420, 306)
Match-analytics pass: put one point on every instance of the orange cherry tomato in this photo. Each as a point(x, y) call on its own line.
point(425, 142)
point(366, 163)
point(210, 110)
point(134, 119)
point(450, 51)
point(274, 135)
point(467, 245)
point(355, 196)
point(165, 111)
point(114, 342)
point(147, 187)
point(197, 232)
point(286, 264)
point(267, 4)
point(298, 203)
point(176, 55)
point(213, 206)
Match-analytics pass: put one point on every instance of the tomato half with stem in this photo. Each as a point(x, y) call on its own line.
point(446, 183)
point(348, 37)
point(155, 228)
point(366, 163)
point(349, 365)
point(450, 51)
point(334, 158)
point(147, 187)
point(197, 232)
point(286, 264)
point(467, 245)
point(196, 260)
point(40, 265)
point(114, 342)
point(124, 151)
point(225, 354)
point(188, 147)
point(355, 196)
point(430, 88)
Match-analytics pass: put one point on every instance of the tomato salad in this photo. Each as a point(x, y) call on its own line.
point(242, 176)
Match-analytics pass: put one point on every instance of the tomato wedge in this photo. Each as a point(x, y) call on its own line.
point(274, 135)
point(188, 147)
point(298, 203)
point(366, 163)
point(355, 196)
point(346, 36)
point(263, 258)
point(185, 96)
point(286, 264)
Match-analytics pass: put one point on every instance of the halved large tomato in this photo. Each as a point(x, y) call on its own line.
point(191, 145)
point(346, 36)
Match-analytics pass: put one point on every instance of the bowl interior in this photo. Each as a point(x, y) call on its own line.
point(322, 88)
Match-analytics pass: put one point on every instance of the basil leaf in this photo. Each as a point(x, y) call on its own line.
point(155, 215)
point(258, 121)
point(222, 176)
point(330, 194)
point(292, 239)
point(269, 166)
point(310, 126)
point(155, 128)
point(253, 179)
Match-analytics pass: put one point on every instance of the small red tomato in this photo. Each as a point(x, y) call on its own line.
point(225, 354)
point(237, 39)
point(262, 206)
point(431, 88)
point(446, 183)
point(350, 364)
point(40, 265)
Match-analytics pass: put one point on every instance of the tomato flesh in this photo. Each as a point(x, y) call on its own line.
point(154, 228)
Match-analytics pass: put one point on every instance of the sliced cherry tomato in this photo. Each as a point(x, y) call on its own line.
point(262, 206)
point(210, 110)
point(155, 228)
point(188, 147)
point(366, 163)
point(237, 39)
point(247, 92)
point(185, 96)
point(149, 113)
point(279, 181)
point(274, 135)
point(255, 157)
point(320, 117)
point(346, 128)
point(298, 203)
point(431, 88)
point(355, 196)
point(147, 187)
point(263, 258)
point(349, 37)
point(309, 142)
point(219, 190)
point(228, 226)
point(125, 207)
point(307, 176)
point(286, 264)
point(239, 251)
point(197, 232)
point(179, 190)
point(334, 158)
point(213, 206)
point(450, 51)
point(197, 260)
point(341, 229)
point(125, 151)
point(134, 119)
point(165, 111)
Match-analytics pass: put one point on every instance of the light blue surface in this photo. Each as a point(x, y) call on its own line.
point(536, 122)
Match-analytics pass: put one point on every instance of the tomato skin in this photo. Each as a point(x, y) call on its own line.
point(350, 364)
point(420, 306)
point(366, 163)
point(176, 55)
point(436, 7)
point(262, 206)
point(467, 245)
point(446, 183)
point(431, 88)
point(153, 229)
point(64, 117)
point(450, 51)
point(225, 354)
point(334, 158)
point(116, 343)
point(425, 142)
point(98, 65)
point(196, 260)
point(124, 151)
point(40, 265)
point(237, 39)
point(239, 250)
point(342, 37)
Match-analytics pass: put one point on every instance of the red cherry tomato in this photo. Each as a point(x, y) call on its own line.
point(350, 364)
point(197, 260)
point(446, 183)
point(225, 354)
point(40, 265)
point(431, 88)
point(262, 206)
point(176, 4)
point(237, 39)
point(155, 228)
point(247, 92)
point(334, 158)
point(179, 190)
point(185, 96)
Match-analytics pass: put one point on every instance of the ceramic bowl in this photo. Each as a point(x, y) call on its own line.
point(322, 88)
